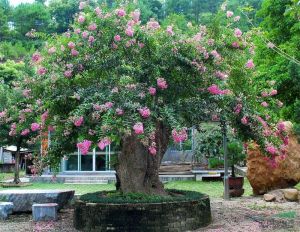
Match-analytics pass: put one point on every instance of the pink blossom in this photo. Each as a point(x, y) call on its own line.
point(71, 45)
point(92, 27)
point(51, 128)
point(138, 128)
point(26, 92)
point(281, 126)
point(62, 48)
point(119, 111)
point(263, 122)
point(74, 52)
point(162, 83)
point(221, 75)
point(215, 117)
point(145, 112)
point(44, 116)
point(179, 136)
point(215, 54)
point(78, 122)
point(68, 73)
point(136, 15)
point(84, 146)
point(25, 132)
point(264, 94)
point(36, 57)
point(41, 71)
point(237, 32)
point(35, 126)
point(98, 11)
point(153, 25)
point(114, 46)
point(121, 12)
point(152, 150)
point(214, 89)
point(82, 5)
point(170, 31)
point(211, 42)
point(77, 31)
point(109, 105)
point(237, 18)
point(244, 120)
point(250, 64)
point(2, 114)
point(51, 50)
point(117, 38)
point(91, 39)
point(81, 19)
point(229, 14)
point(267, 132)
point(235, 44)
point(103, 143)
point(152, 91)
point(129, 31)
point(273, 92)
point(271, 149)
point(141, 45)
point(84, 34)
point(264, 104)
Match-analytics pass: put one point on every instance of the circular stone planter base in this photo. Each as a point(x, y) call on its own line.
point(183, 214)
point(13, 185)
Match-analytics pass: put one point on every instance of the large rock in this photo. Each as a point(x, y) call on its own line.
point(290, 194)
point(264, 178)
point(24, 199)
point(6, 208)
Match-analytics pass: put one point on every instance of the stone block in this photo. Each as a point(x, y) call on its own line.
point(6, 208)
point(24, 199)
point(269, 197)
point(44, 212)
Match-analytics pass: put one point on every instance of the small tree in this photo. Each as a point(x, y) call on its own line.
point(18, 125)
point(113, 79)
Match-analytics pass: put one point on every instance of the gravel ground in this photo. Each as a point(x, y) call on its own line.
point(239, 215)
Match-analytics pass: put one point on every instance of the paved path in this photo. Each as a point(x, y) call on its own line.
point(247, 214)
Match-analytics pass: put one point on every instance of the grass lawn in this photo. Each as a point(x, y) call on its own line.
point(213, 189)
point(8, 176)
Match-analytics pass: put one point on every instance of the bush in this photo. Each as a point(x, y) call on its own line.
point(118, 197)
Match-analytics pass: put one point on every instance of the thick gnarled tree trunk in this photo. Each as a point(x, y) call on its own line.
point(137, 169)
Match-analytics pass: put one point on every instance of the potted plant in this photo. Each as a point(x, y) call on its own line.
point(236, 155)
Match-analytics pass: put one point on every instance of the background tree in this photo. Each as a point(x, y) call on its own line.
point(276, 54)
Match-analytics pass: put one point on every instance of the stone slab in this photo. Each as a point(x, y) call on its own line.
point(24, 199)
point(44, 212)
point(6, 208)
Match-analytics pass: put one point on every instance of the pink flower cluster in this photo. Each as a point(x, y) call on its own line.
point(238, 33)
point(119, 111)
point(153, 25)
point(245, 120)
point(44, 116)
point(162, 83)
point(145, 112)
point(25, 132)
point(36, 57)
point(121, 12)
point(179, 136)
point(35, 126)
point(138, 128)
point(229, 14)
point(41, 71)
point(152, 91)
point(214, 89)
point(152, 149)
point(84, 146)
point(250, 64)
point(13, 130)
point(78, 122)
point(170, 31)
point(104, 143)
point(271, 149)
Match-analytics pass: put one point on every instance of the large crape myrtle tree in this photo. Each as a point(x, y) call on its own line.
point(112, 79)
